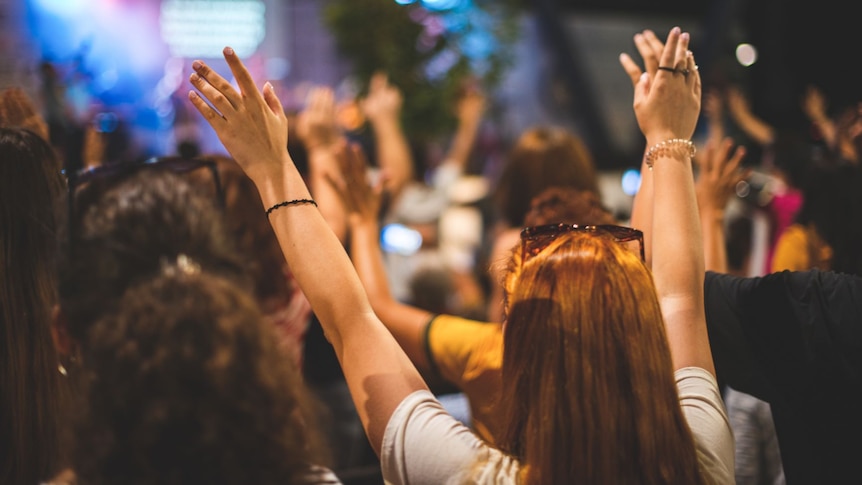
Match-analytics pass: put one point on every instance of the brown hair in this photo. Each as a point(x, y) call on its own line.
point(542, 157)
point(589, 393)
point(30, 386)
point(124, 227)
point(186, 384)
point(569, 205)
point(245, 219)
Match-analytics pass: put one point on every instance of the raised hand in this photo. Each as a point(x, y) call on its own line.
point(251, 124)
point(650, 47)
point(317, 125)
point(717, 177)
point(814, 104)
point(360, 198)
point(713, 106)
point(471, 106)
point(718, 174)
point(382, 106)
point(667, 103)
point(383, 101)
point(737, 102)
point(740, 110)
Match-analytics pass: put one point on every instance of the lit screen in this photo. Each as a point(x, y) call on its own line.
point(202, 28)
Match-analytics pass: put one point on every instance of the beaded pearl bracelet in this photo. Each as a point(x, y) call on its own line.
point(669, 147)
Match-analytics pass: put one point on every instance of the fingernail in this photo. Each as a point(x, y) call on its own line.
point(194, 77)
point(684, 35)
point(676, 30)
point(644, 76)
point(267, 87)
point(228, 51)
point(197, 65)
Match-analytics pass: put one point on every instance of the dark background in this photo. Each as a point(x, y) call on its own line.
point(798, 44)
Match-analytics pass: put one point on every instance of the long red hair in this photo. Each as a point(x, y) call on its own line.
point(588, 389)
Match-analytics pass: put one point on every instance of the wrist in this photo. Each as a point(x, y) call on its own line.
point(675, 148)
point(313, 145)
point(385, 121)
point(712, 213)
point(361, 223)
point(270, 180)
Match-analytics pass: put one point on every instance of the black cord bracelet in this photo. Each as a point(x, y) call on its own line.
point(290, 202)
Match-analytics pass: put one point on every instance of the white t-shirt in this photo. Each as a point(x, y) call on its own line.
point(319, 475)
point(423, 444)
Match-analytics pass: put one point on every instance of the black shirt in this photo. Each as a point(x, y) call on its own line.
point(794, 339)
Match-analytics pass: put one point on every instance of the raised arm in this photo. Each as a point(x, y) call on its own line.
point(650, 48)
point(667, 106)
point(469, 112)
point(713, 111)
point(718, 174)
point(814, 107)
point(740, 111)
point(362, 204)
point(252, 126)
point(382, 106)
point(318, 129)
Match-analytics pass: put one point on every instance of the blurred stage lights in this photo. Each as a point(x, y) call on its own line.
point(434, 4)
point(746, 54)
point(61, 7)
point(202, 28)
point(631, 182)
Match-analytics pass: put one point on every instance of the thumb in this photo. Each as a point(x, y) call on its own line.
point(642, 86)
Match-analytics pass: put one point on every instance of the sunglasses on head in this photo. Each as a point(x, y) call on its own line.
point(107, 172)
point(535, 239)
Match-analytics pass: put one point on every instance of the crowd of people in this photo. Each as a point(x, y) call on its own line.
point(202, 318)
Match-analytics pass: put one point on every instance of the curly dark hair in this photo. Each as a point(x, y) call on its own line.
point(124, 227)
point(569, 205)
point(185, 384)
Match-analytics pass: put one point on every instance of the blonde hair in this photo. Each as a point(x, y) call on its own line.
point(589, 394)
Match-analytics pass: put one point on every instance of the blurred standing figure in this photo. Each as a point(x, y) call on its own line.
point(543, 157)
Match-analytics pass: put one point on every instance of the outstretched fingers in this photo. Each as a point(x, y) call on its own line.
point(669, 53)
point(681, 54)
point(212, 116)
point(632, 69)
point(732, 167)
point(241, 74)
point(272, 101)
point(650, 48)
point(216, 89)
point(351, 183)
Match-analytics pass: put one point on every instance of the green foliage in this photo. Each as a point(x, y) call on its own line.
point(428, 55)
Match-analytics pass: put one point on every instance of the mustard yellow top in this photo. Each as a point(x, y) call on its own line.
point(800, 248)
point(469, 354)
